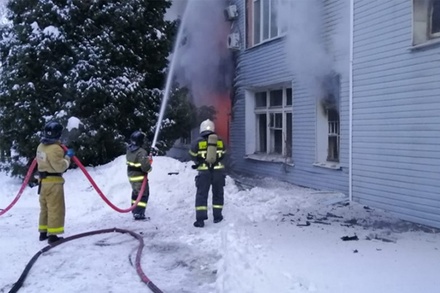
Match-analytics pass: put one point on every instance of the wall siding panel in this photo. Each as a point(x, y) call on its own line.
point(265, 65)
point(396, 121)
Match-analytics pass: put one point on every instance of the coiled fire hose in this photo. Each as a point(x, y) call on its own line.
point(137, 263)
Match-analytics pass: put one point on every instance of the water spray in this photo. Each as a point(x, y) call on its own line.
point(169, 77)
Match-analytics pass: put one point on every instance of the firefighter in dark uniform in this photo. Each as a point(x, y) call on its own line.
point(208, 152)
point(138, 166)
point(52, 162)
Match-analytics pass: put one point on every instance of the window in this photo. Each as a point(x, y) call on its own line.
point(262, 21)
point(328, 124)
point(426, 20)
point(273, 114)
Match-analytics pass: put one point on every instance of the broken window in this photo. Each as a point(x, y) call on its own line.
point(333, 135)
point(273, 110)
point(328, 123)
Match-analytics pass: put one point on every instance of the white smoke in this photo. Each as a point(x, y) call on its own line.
point(310, 57)
point(203, 62)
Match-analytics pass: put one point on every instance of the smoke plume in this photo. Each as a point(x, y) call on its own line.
point(203, 61)
point(310, 56)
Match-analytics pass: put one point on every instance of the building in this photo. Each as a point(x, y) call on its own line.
point(341, 95)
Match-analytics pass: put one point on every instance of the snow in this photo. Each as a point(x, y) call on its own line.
point(263, 245)
point(51, 31)
point(73, 123)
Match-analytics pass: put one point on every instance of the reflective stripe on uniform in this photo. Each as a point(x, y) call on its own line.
point(136, 178)
point(202, 152)
point(217, 206)
point(216, 167)
point(202, 208)
point(140, 204)
point(55, 230)
point(42, 228)
point(203, 145)
point(132, 164)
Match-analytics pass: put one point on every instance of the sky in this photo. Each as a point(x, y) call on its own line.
point(275, 237)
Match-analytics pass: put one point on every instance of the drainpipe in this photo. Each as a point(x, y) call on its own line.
point(350, 107)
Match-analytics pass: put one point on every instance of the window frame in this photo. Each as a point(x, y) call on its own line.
point(328, 124)
point(271, 130)
point(251, 20)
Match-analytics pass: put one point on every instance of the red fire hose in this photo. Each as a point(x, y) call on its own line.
point(138, 199)
point(81, 166)
point(139, 270)
point(23, 186)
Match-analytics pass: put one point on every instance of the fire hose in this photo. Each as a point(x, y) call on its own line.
point(139, 270)
point(23, 186)
point(83, 169)
point(142, 275)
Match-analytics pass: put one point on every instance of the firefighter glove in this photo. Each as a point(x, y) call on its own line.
point(70, 153)
point(154, 151)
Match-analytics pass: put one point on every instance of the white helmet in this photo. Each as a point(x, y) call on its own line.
point(207, 125)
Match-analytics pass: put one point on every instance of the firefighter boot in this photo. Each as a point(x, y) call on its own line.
point(53, 239)
point(139, 216)
point(43, 236)
point(218, 219)
point(199, 224)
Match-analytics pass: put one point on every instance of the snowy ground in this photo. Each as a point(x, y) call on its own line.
point(275, 238)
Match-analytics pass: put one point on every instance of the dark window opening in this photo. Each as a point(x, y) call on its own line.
point(333, 136)
point(276, 98)
point(262, 127)
point(277, 148)
point(289, 135)
point(260, 100)
point(289, 96)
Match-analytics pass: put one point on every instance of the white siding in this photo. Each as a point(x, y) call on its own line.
point(396, 114)
point(266, 65)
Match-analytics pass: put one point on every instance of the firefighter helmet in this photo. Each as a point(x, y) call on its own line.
point(137, 138)
point(207, 125)
point(52, 130)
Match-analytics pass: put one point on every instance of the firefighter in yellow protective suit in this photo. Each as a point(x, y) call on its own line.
point(208, 153)
point(52, 162)
point(138, 166)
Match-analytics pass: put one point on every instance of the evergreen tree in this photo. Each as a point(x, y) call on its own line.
point(100, 61)
point(33, 52)
point(185, 113)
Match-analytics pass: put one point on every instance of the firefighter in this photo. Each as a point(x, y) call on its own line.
point(138, 166)
point(207, 152)
point(52, 162)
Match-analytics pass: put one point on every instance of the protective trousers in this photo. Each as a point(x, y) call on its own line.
point(204, 180)
point(52, 208)
point(140, 208)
